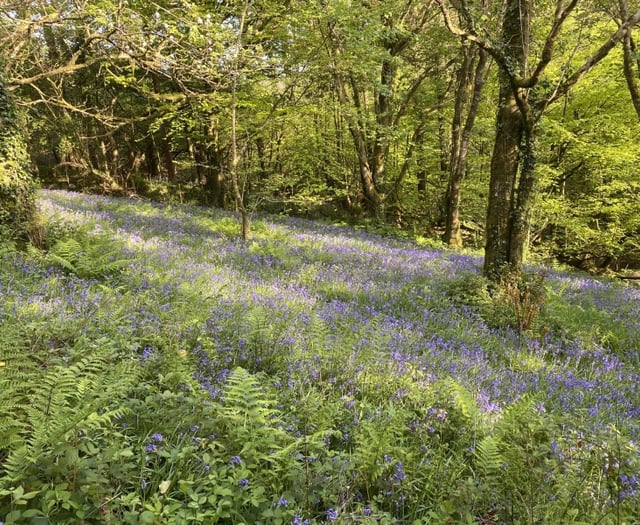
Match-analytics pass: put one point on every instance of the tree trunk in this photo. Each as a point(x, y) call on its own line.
point(215, 183)
point(235, 151)
point(631, 60)
point(504, 171)
point(470, 81)
point(152, 158)
point(373, 198)
point(632, 70)
point(505, 160)
point(165, 144)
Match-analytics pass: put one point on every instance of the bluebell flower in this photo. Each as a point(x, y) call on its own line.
point(399, 474)
point(243, 483)
point(332, 515)
point(147, 353)
point(157, 437)
point(235, 460)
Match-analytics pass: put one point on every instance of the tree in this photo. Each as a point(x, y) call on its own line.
point(372, 49)
point(631, 57)
point(521, 103)
point(234, 160)
point(471, 77)
point(17, 189)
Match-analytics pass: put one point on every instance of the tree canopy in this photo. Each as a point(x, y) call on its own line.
point(499, 125)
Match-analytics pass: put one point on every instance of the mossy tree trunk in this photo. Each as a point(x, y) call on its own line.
point(17, 188)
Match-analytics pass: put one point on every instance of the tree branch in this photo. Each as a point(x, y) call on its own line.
point(471, 36)
point(563, 88)
point(547, 51)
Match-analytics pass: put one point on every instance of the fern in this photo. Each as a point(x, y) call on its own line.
point(18, 372)
point(464, 402)
point(252, 429)
point(489, 460)
point(64, 402)
point(66, 253)
point(88, 256)
point(246, 403)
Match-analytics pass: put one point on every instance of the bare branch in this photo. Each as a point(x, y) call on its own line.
point(69, 67)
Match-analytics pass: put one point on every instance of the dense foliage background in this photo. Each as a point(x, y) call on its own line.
point(354, 110)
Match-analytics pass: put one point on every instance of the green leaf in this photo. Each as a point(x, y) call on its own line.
point(147, 517)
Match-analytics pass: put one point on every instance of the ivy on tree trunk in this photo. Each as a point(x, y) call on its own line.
point(17, 189)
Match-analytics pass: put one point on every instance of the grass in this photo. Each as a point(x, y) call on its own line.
point(157, 369)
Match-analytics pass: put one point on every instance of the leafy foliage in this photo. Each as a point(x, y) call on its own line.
point(18, 217)
point(88, 256)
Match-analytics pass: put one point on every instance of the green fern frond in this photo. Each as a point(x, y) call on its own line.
point(518, 415)
point(464, 401)
point(63, 401)
point(489, 459)
point(88, 256)
point(246, 402)
point(17, 375)
point(259, 327)
point(318, 332)
point(253, 426)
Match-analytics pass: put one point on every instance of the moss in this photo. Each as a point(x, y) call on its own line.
point(18, 211)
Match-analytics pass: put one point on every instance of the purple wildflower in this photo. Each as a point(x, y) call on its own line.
point(332, 515)
point(399, 474)
point(147, 353)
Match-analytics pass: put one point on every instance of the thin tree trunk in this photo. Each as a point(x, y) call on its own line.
point(631, 60)
point(472, 80)
point(632, 70)
point(235, 153)
point(165, 145)
point(151, 158)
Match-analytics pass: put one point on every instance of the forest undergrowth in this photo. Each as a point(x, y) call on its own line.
point(155, 369)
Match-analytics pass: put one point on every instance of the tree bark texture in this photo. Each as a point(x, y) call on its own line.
point(510, 132)
point(631, 60)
